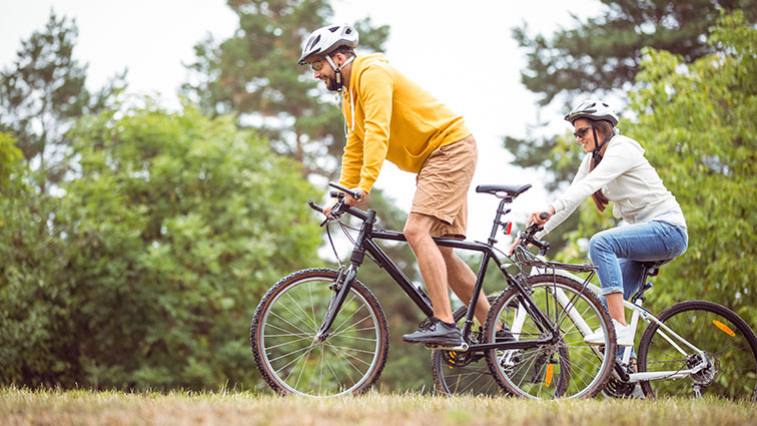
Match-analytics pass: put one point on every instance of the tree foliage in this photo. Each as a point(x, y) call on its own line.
point(9, 159)
point(255, 74)
point(173, 230)
point(43, 93)
point(604, 53)
point(696, 122)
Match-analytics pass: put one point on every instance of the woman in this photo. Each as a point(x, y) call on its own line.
point(653, 227)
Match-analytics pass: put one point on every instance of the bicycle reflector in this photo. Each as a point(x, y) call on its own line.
point(508, 228)
point(550, 372)
point(724, 328)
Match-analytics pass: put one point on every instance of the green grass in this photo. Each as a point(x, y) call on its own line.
point(118, 408)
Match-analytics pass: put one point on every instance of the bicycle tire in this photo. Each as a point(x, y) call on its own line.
point(370, 341)
point(714, 326)
point(585, 380)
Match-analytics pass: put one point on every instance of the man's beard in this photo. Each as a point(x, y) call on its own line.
point(331, 84)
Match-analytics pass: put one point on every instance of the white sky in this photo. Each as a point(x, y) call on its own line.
point(460, 51)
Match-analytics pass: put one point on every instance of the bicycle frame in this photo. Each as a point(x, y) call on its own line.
point(365, 243)
point(638, 311)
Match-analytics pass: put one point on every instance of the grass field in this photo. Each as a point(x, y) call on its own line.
point(19, 407)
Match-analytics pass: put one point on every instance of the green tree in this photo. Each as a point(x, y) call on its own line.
point(43, 93)
point(255, 74)
point(604, 53)
point(696, 122)
point(175, 227)
point(33, 314)
point(9, 158)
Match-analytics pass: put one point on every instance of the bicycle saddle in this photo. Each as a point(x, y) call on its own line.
point(653, 268)
point(511, 190)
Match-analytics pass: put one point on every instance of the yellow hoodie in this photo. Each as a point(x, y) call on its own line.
point(390, 117)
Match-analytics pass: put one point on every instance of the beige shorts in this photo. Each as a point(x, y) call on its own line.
point(442, 187)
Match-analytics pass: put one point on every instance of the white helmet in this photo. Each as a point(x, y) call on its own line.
point(593, 109)
point(327, 39)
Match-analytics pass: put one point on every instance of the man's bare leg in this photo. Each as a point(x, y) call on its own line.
point(462, 280)
point(431, 263)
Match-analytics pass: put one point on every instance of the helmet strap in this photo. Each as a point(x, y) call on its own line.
point(595, 154)
point(338, 70)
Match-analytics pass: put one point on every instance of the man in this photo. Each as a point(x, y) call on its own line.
point(389, 117)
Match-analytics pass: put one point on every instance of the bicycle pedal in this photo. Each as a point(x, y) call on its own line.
point(461, 348)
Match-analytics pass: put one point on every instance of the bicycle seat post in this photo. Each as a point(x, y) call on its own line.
point(501, 211)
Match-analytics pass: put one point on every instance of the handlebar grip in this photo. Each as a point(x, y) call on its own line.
point(354, 194)
point(315, 206)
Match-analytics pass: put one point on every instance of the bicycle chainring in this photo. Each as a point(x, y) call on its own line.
point(617, 388)
point(707, 375)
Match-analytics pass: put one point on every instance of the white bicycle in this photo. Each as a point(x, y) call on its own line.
point(692, 348)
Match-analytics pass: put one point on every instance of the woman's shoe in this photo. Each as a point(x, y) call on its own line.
point(624, 334)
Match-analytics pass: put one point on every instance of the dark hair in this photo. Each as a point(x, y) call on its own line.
point(345, 50)
point(606, 131)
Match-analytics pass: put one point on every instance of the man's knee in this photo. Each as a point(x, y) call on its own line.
point(417, 228)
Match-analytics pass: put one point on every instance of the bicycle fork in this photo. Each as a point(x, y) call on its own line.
point(341, 288)
point(344, 280)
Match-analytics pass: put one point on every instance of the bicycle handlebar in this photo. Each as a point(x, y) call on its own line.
point(340, 207)
point(352, 193)
point(528, 236)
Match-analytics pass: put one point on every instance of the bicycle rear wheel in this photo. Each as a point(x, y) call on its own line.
point(293, 361)
point(463, 373)
point(728, 353)
point(566, 368)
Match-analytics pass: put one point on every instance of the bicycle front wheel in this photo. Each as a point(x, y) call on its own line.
point(566, 367)
point(707, 339)
point(290, 357)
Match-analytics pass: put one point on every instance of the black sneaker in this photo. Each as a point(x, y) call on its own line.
point(433, 331)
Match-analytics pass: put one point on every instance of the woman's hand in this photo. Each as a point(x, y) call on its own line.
point(540, 218)
point(511, 250)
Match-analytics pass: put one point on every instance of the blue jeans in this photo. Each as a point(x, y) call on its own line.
point(618, 253)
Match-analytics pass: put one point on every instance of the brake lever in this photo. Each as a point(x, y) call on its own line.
point(336, 211)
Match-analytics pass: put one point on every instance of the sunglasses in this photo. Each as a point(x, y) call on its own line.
point(317, 65)
point(581, 132)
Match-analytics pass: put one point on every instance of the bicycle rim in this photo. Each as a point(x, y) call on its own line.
point(727, 353)
point(568, 368)
point(293, 361)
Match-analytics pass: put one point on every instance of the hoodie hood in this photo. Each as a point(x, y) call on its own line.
point(359, 65)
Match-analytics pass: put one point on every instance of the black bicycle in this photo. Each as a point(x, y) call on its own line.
point(322, 332)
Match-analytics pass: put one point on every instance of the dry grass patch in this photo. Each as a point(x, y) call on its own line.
point(20, 407)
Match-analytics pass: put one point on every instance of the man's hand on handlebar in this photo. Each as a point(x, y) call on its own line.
point(344, 199)
point(352, 201)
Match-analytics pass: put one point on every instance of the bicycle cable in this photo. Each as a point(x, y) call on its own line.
point(345, 228)
point(333, 246)
point(352, 240)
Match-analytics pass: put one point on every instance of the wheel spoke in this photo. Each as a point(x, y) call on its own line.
point(295, 363)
